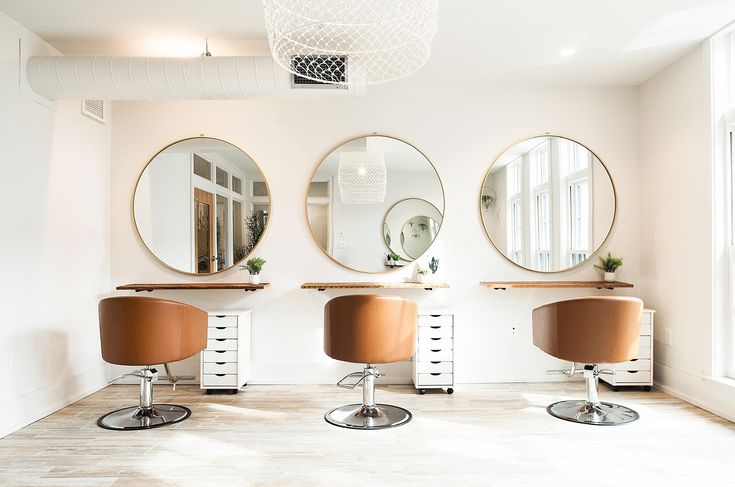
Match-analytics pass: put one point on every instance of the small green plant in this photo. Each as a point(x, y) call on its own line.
point(610, 263)
point(393, 256)
point(421, 271)
point(434, 265)
point(254, 265)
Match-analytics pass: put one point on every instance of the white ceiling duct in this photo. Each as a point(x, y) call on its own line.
point(158, 78)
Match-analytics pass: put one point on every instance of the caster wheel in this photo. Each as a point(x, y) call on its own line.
point(450, 391)
point(233, 391)
point(647, 388)
point(209, 392)
point(615, 389)
point(422, 391)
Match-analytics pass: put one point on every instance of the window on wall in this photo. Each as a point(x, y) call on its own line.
point(515, 209)
point(576, 165)
point(540, 162)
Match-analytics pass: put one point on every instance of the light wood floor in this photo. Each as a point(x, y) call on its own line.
point(276, 435)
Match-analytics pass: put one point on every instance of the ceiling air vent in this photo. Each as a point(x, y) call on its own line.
point(94, 109)
point(319, 71)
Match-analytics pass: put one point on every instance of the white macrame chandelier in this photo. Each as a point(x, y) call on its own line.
point(351, 42)
point(362, 177)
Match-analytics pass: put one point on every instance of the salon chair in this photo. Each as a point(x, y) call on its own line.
point(588, 332)
point(369, 329)
point(148, 331)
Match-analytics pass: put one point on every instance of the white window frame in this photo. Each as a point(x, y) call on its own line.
point(516, 237)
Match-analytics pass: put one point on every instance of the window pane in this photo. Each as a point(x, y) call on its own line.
point(260, 188)
point(319, 189)
point(222, 177)
point(236, 185)
point(202, 167)
point(222, 226)
point(239, 251)
point(514, 177)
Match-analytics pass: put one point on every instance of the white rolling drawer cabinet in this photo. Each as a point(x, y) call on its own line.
point(225, 363)
point(636, 372)
point(433, 362)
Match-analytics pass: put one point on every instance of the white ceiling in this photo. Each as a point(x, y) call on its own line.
point(621, 42)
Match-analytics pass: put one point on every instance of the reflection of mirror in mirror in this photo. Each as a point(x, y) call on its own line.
point(548, 204)
point(355, 189)
point(417, 222)
point(201, 205)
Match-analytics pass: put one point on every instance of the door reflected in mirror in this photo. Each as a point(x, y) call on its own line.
point(372, 196)
point(548, 204)
point(201, 205)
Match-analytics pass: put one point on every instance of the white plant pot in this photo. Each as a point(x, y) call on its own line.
point(421, 278)
point(609, 277)
point(254, 278)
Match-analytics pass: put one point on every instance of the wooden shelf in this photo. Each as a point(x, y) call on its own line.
point(503, 285)
point(322, 286)
point(244, 286)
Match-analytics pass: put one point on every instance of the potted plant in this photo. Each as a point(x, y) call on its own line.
point(254, 267)
point(421, 274)
point(393, 259)
point(609, 265)
point(434, 265)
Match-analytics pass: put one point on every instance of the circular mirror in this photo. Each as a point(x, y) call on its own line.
point(417, 222)
point(548, 204)
point(364, 197)
point(201, 205)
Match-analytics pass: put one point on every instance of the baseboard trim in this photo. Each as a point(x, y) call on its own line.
point(27, 401)
point(704, 392)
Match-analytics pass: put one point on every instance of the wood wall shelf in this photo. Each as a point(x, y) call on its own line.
point(322, 286)
point(503, 285)
point(244, 286)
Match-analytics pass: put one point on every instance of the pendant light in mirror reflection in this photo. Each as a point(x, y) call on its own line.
point(201, 205)
point(548, 204)
point(400, 210)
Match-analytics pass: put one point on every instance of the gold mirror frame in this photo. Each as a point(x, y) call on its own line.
point(135, 222)
point(599, 247)
point(318, 165)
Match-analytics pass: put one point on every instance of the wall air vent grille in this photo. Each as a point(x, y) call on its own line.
point(319, 71)
point(94, 109)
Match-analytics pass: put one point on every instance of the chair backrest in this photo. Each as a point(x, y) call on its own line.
point(147, 331)
point(369, 328)
point(592, 330)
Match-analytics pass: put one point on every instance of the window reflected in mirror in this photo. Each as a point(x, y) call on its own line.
point(201, 205)
point(548, 204)
point(374, 196)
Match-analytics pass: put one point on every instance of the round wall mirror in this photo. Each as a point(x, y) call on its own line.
point(548, 204)
point(201, 205)
point(417, 222)
point(372, 196)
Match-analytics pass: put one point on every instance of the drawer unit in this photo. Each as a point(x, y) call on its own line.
point(637, 372)
point(433, 362)
point(225, 363)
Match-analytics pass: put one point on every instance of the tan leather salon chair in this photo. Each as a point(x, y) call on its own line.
point(148, 331)
point(590, 331)
point(369, 329)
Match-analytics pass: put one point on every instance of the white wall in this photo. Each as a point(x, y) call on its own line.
point(55, 244)
point(677, 216)
point(461, 132)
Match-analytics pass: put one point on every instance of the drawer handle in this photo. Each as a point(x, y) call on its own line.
point(220, 339)
point(221, 327)
point(436, 373)
point(220, 375)
point(435, 316)
point(437, 350)
point(632, 371)
point(219, 351)
point(436, 338)
point(220, 363)
point(634, 360)
point(221, 316)
point(435, 327)
point(437, 362)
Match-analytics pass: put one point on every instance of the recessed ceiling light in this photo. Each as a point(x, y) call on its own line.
point(569, 51)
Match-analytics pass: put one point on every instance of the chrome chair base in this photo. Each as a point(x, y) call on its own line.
point(600, 414)
point(137, 418)
point(360, 417)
